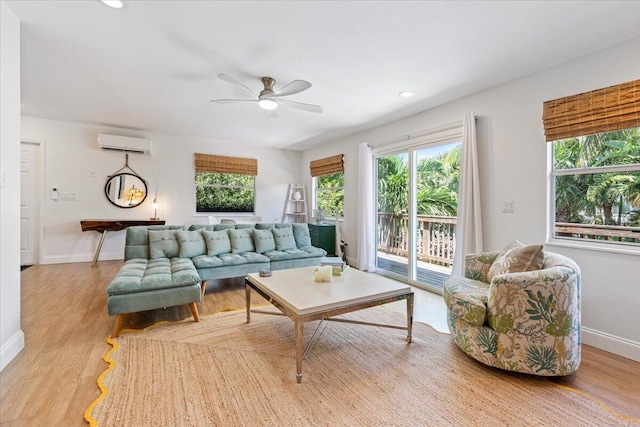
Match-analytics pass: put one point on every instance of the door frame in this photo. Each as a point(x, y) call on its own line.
point(411, 144)
point(40, 196)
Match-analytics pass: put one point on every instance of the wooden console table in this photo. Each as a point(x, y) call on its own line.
point(105, 225)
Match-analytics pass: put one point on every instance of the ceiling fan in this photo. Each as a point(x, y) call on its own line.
point(268, 98)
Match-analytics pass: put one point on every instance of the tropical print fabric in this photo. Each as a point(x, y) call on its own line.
point(467, 299)
point(532, 319)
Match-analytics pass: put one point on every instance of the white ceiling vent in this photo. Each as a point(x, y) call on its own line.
point(124, 143)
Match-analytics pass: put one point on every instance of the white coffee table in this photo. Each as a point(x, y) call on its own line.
point(298, 296)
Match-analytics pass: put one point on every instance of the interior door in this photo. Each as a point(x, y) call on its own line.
point(29, 207)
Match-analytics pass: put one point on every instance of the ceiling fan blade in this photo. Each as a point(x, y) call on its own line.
point(229, 101)
point(301, 106)
point(232, 80)
point(292, 88)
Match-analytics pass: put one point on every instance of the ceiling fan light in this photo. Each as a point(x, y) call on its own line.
point(116, 4)
point(268, 104)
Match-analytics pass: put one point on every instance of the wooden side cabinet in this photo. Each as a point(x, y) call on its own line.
point(323, 236)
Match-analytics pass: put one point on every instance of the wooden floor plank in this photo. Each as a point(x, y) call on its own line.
point(64, 318)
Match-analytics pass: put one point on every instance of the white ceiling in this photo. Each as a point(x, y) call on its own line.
point(152, 65)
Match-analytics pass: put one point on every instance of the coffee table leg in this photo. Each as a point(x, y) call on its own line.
point(299, 349)
point(247, 290)
point(409, 317)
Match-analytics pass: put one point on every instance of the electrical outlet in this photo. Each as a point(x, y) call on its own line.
point(507, 206)
point(68, 197)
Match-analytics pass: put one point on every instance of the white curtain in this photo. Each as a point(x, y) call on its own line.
point(469, 223)
point(366, 211)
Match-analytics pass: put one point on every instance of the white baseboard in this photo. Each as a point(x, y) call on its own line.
point(64, 259)
point(611, 343)
point(11, 349)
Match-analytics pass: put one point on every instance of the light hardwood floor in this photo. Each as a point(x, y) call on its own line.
point(65, 321)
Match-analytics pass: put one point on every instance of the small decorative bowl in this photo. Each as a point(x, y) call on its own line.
point(264, 273)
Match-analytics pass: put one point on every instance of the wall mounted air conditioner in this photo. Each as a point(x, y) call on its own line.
point(124, 143)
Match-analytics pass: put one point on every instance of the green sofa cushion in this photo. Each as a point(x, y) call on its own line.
point(141, 275)
point(191, 243)
point(263, 240)
point(219, 227)
point(163, 244)
point(277, 255)
point(297, 253)
point(137, 240)
point(201, 227)
point(205, 261)
point(301, 235)
point(284, 238)
point(218, 242)
point(233, 259)
point(253, 257)
point(241, 226)
point(270, 225)
point(313, 251)
point(241, 240)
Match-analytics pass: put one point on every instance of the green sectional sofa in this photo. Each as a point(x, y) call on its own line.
point(167, 265)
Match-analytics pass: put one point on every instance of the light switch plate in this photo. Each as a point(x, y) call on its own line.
point(508, 206)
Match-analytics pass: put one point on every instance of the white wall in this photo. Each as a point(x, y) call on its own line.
point(11, 336)
point(73, 156)
point(513, 162)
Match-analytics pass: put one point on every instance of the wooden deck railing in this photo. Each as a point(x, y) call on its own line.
point(599, 232)
point(435, 237)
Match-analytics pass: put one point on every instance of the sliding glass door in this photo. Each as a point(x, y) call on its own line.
point(417, 194)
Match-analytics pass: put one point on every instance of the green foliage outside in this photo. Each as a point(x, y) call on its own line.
point(219, 192)
point(437, 190)
point(599, 198)
point(330, 194)
point(437, 186)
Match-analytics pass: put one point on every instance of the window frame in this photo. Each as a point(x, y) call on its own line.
point(252, 188)
point(579, 242)
point(315, 193)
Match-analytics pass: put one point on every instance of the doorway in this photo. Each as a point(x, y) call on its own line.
point(30, 199)
point(417, 196)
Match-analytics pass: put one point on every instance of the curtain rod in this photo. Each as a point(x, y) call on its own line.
point(419, 134)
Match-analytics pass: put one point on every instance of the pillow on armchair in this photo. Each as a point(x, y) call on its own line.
point(517, 258)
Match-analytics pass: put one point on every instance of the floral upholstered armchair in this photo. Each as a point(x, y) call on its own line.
point(518, 310)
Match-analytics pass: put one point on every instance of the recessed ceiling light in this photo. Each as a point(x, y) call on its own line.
point(116, 4)
point(268, 104)
point(406, 93)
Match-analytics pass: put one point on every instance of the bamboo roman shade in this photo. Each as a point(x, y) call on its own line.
point(327, 166)
point(209, 163)
point(603, 110)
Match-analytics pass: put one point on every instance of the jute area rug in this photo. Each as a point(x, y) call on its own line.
point(225, 372)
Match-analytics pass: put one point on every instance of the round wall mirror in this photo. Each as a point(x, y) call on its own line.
point(126, 190)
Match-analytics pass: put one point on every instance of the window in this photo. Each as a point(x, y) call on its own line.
point(328, 184)
point(330, 194)
point(596, 165)
point(225, 184)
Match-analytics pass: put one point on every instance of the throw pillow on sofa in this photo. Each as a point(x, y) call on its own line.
point(301, 235)
point(191, 243)
point(241, 240)
point(163, 244)
point(218, 242)
point(284, 238)
point(517, 258)
point(263, 241)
